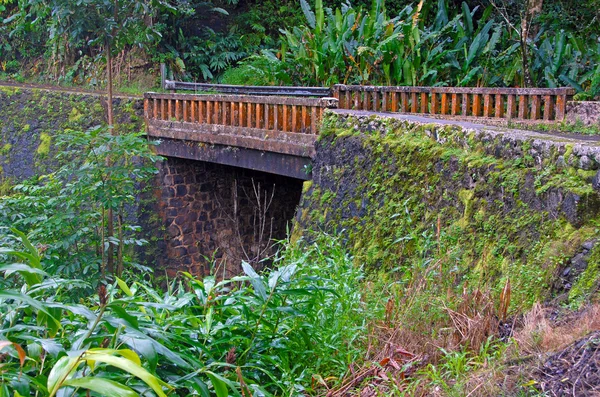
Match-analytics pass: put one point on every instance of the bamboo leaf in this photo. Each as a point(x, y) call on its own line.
point(102, 386)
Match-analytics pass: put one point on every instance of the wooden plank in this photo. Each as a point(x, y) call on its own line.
point(465, 105)
point(376, 101)
point(487, 105)
point(424, 103)
point(511, 107)
point(560, 110)
point(455, 105)
point(548, 107)
point(249, 114)
point(394, 101)
point(178, 112)
point(434, 103)
point(266, 116)
point(356, 100)
point(476, 105)
point(414, 102)
point(285, 126)
point(347, 100)
point(523, 106)
point(535, 107)
point(201, 110)
point(445, 105)
point(146, 108)
point(185, 111)
point(499, 106)
point(404, 100)
point(294, 119)
point(169, 110)
point(259, 112)
point(366, 101)
point(209, 112)
point(276, 109)
point(193, 111)
point(384, 101)
point(313, 120)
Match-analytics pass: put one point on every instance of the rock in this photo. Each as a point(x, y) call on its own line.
point(560, 162)
point(588, 245)
point(596, 181)
point(585, 163)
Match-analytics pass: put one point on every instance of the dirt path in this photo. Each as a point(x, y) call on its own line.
point(74, 90)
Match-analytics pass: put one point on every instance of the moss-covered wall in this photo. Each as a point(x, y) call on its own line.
point(30, 120)
point(477, 206)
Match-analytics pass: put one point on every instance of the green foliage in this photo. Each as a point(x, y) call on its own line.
point(66, 210)
point(267, 333)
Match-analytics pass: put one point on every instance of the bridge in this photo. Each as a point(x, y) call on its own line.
point(236, 156)
point(274, 129)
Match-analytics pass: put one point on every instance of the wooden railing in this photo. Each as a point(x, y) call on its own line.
point(284, 114)
point(504, 103)
point(247, 89)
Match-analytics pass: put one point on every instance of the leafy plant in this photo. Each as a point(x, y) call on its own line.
point(65, 211)
point(261, 334)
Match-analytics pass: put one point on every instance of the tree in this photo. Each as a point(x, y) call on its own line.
point(108, 26)
point(528, 10)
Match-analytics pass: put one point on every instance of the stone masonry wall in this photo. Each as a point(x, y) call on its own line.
point(484, 204)
point(208, 229)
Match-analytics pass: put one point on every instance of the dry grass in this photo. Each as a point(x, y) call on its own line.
point(400, 350)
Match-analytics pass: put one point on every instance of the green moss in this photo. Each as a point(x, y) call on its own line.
point(589, 281)
point(306, 186)
point(75, 115)
point(44, 147)
point(415, 177)
point(5, 149)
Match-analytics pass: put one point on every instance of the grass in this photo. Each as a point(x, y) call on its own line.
point(578, 128)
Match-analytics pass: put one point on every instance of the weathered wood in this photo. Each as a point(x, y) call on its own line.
point(435, 105)
point(560, 110)
point(499, 106)
point(548, 106)
point(250, 90)
point(185, 111)
point(424, 103)
point(476, 105)
point(455, 105)
point(535, 107)
point(384, 102)
point(511, 107)
point(487, 105)
point(413, 102)
point(523, 107)
point(464, 90)
point(465, 105)
point(294, 119)
point(313, 120)
point(445, 106)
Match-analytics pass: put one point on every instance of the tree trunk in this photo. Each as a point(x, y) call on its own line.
point(110, 229)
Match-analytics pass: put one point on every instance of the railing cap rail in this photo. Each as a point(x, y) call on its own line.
point(248, 89)
point(458, 90)
point(326, 102)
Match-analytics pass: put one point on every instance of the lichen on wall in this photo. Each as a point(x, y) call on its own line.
point(474, 206)
point(31, 120)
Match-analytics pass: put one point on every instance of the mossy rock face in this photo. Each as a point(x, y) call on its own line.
point(32, 119)
point(403, 194)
